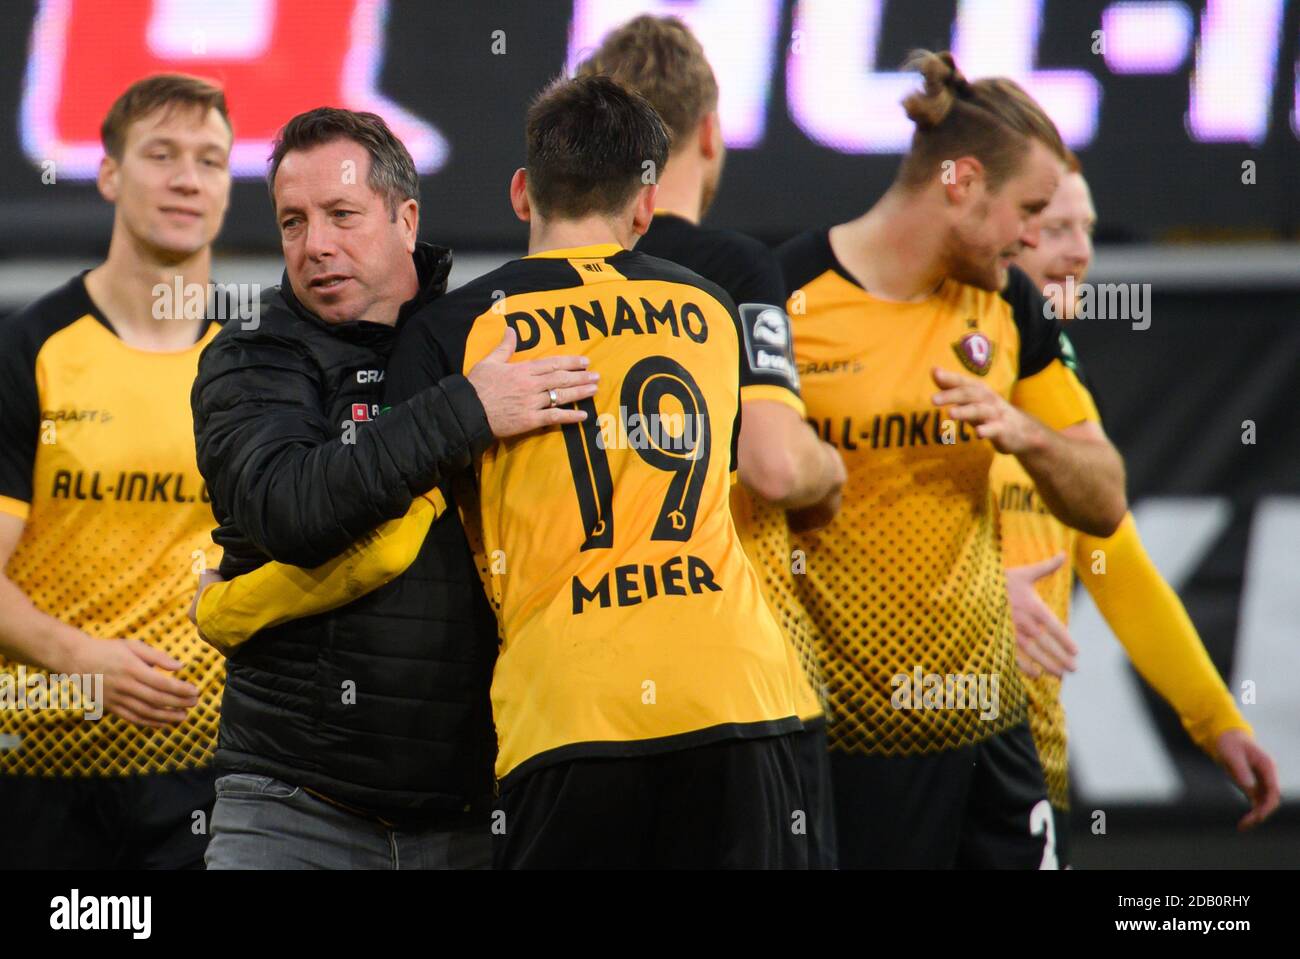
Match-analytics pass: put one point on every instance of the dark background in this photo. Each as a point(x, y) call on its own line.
point(1174, 397)
point(1151, 180)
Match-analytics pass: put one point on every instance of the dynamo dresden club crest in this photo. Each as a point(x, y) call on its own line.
point(975, 352)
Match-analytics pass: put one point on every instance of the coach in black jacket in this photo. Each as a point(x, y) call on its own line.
point(361, 737)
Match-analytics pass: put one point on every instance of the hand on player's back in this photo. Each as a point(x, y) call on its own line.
point(517, 396)
point(133, 688)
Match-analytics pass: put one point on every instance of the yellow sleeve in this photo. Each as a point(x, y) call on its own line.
point(15, 507)
point(1056, 396)
point(231, 612)
point(776, 394)
point(1151, 623)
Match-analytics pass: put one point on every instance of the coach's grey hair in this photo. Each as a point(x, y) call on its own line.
point(392, 171)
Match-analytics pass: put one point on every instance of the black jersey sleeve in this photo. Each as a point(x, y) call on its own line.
point(1040, 332)
point(767, 340)
point(1072, 362)
point(20, 415)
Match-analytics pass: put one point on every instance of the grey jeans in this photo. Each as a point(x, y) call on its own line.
point(263, 823)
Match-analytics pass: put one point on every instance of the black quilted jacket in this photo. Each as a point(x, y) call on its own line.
point(383, 703)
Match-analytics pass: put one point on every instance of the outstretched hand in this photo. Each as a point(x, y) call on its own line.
point(1042, 641)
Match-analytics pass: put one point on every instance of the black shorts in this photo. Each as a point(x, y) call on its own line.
point(728, 805)
point(977, 807)
point(1061, 837)
point(102, 822)
point(819, 801)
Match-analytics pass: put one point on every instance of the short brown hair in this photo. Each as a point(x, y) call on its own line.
point(160, 91)
point(392, 171)
point(992, 120)
point(590, 143)
point(660, 59)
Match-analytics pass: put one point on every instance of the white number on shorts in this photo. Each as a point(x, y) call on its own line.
point(1042, 824)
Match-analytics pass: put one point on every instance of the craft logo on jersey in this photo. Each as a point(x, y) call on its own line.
point(975, 352)
point(767, 339)
point(77, 416)
point(830, 366)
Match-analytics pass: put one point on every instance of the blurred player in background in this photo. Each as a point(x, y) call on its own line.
point(104, 518)
point(782, 463)
point(933, 763)
point(1142, 610)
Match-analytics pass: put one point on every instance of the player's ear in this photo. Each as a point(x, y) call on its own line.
point(643, 208)
point(107, 178)
point(710, 132)
point(408, 218)
point(961, 178)
point(519, 195)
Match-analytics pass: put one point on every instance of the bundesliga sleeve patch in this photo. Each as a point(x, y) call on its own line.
point(769, 345)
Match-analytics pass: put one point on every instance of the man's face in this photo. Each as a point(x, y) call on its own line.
point(172, 183)
point(1065, 247)
point(995, 227)
point(340, 240)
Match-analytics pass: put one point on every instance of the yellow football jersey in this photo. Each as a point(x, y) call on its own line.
point(905, 586)
point(1030, 533)
point(99, 461)
point(632, 621)
point(768, 543)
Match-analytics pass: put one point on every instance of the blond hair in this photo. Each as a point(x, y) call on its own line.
point(992, 119)
point(659, 58)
